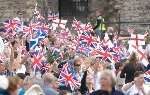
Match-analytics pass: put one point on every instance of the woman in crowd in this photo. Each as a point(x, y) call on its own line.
point(50, 84)
point(107, 82)
point(130, 68)
point(120, 81)
point(13, 85)
point(136, 87)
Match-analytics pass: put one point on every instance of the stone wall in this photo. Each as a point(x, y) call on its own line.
point(135, 11)
point(129, 10)
point(10, 8)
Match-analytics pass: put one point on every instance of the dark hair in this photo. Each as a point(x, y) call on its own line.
point(117, 65)
point(133, 59)
point(21, 76)
point(138, 73)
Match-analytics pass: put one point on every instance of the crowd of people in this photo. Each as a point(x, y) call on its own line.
point(23, 73)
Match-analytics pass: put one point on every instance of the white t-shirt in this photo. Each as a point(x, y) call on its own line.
point(21, 70)
point(134, 90)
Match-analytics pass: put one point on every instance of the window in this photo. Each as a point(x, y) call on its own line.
point(69, 9)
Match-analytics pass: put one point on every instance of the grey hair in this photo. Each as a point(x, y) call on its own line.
point(28, 79)
point(111, 74)
point(49, 78)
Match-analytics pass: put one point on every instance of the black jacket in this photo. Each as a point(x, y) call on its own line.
point(83, 88)
point(129, 70)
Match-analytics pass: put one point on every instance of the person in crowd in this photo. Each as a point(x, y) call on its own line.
point(87, 85)
point(28, 82)
point(100, 27)
point(50, 84)
point(4, 83)
point(98, 68)
point(21, 89)
point(64, 92)
point(119, 81)
point(148, 66)
point(137, 86)
point(83, 88)
point(13, 85)
point(107, 82)
point(77, 67)
point(34, 90)
point(130, 68)
point(2, 69)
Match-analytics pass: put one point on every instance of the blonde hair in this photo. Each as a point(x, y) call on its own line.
point(111, 74)
point(13, 83)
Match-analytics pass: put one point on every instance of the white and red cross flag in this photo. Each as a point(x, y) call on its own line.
point(137, 39)
point(141, 54)
point(59, 23)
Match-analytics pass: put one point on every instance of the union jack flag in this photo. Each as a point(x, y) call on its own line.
point(43, 27)
point(53, 16)
point(77, 26)
point(45, 66)
point(87, 27)
point(96, 52)
point(116, 47)
point(64, 34)
point(29, 29)
point(84, 49)
point(10, 34)
point(11, 25)
point(37, 61)
point(66, 78)
point(88, 39)
point(80, 27)
point(116, 57)
point(147, 77)
point(105, 55)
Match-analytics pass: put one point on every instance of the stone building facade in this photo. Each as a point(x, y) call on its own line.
point(129, 10)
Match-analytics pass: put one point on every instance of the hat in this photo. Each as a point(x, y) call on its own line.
point(34, 90)
point(4, 83)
